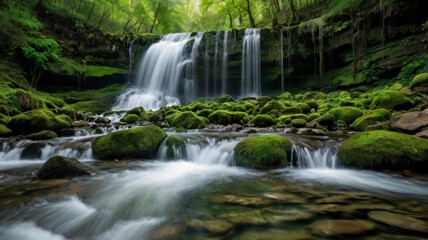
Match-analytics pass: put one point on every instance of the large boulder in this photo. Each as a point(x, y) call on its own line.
point(263, 151)
point(226, 117)
point(4, 131)
point(346, 114)
point(420, 83)
point(188, 120)
point(411, 122)
point(391, 100)
point(63, 167)
point(130, 118)
point(140, 142)
point(272, 105)
point(38, 120)
point(381, 149)
point(262, 120)
point(175, 147)
point(42, 135)
point(377, 119)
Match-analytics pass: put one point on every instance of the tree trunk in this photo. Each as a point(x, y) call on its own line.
point(156, 18)
point(250, 14)
point(230, 19)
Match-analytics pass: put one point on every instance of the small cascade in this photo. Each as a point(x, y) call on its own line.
point(306, 157)
point(224, 63)
point(251, 69)
point(158, 75)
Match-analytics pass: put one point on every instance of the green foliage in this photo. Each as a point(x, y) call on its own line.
point(418, 80)
point(411, 67)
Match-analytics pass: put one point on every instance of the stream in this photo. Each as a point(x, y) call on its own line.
point(201, 195)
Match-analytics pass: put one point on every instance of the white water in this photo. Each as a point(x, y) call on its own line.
point(251, 69)
point(322, 157)
point(224, 63)
point(191, 72)
point(158, 75)
point(131, 44)
point(281, 50)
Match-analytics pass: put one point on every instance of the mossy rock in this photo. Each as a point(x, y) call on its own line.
point(4, 131)
point(304, 107)
point(32, 151)
point(272, 105)
point(225, 98)
point(313, 116)
point(291, 110)
point(137, 111)
point(188, 120)
point(385, 150)
point(4, 119)
point(419, 80)
point(263, 100)
point(152, 116)
point(298, 123)
point(140, 142)
point(262, 120)
point(314, 96)
point(346, 114)
point(38, 120)
point(42, 135)
point(327, 120)
point(130, 118)
point(224, 117)
point(174, 145)
point(198, 106)
point(263, 151)
point(391, 100)
point(288, 118)
point(378, 118)
point(63, 167)
point(205, 112)
point(286, 96)
point(312, 105)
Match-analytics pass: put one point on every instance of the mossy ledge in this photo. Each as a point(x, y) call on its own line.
point(263, 151)
point(139, 142)
point(385, 150)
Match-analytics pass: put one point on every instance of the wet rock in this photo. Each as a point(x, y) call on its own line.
point(276, 216)
point(170, 231)
point(334, 228)
point(274, 234)
point(63, 167)
point(174, 144)
point(216, 227)
point(32, 151)
point(241, 200)
point(420, 83)
point(411, 122)
point(377, 119)
point(139, 142)
point(66, 132)
point(422, 134)
point(391, 100)
point(329, 208)
point(290, 198)
point(42, 135)
point(245, 218)
point(102, 120)
point(130, 118)
point(188, 120)
point(399, 220)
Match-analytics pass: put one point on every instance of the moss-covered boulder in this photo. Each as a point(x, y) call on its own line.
point(391, 100)
point(304, 107)
point(130, 118)
point(198, 106)
point(38, 120)
point(188, 120)
point(298, 123)
point(288, 118)
point(4, 131)
point(420, 83)
point(140, 142)
point(225, 98)
point(291, 110)
point(63, 167)
point(42, 135)
point(346, 114)
point(175, 147)
point(263, 151)
point(262, 120)
point(286, 96)
point(4, 119)
point(272, 105)
point(137, 111)
point(327, 120)
point(377, 119)
point(226, 117)
point(205, 112)
point(385, 150)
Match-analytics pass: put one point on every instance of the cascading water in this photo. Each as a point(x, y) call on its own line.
point(251, 68)
point(190, 83)
point(131, 44)
point(158, 75)
point(224, 63)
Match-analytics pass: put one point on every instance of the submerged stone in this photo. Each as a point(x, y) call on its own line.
point(241, 200)
point(399, 220)
point(335, 228)
point(216, 227)
point(274, 234)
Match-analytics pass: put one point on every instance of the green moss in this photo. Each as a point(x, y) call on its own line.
point(313, 116)
point(263, 151)
point(372, 119)
point(140, 142)
point(418, 80)
point(262, 120)
point(385, 150)
point(286, 96)
point(38, 120)
point(4, 119)
point(205, 112)
point(298, 123)
point(346, 114)
point(326, 120)
point(225, 98)
point(290, 117)
point(173, 145)
point(226, 117)
point(291, 110)
point(313, 96)
point(101, 71)
point(139, 111)
point(272, 105)
point(5, 131)
point(304, 107)
point(188, 120)
point(153, 116)
point(42, 135)
point(391, 100)
point(198, 106)
point(130, 118)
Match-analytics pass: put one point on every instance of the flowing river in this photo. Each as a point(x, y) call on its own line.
point(202, 195)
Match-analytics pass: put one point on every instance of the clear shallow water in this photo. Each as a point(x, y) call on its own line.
point(205, 196)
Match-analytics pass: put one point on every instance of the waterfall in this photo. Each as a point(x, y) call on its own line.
point(251, 69)
point(190, 83)
point(158, 75)
point(131, 44)
point(207, 68)
point(215, 71)
point(224, 64)
point(306, 157)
